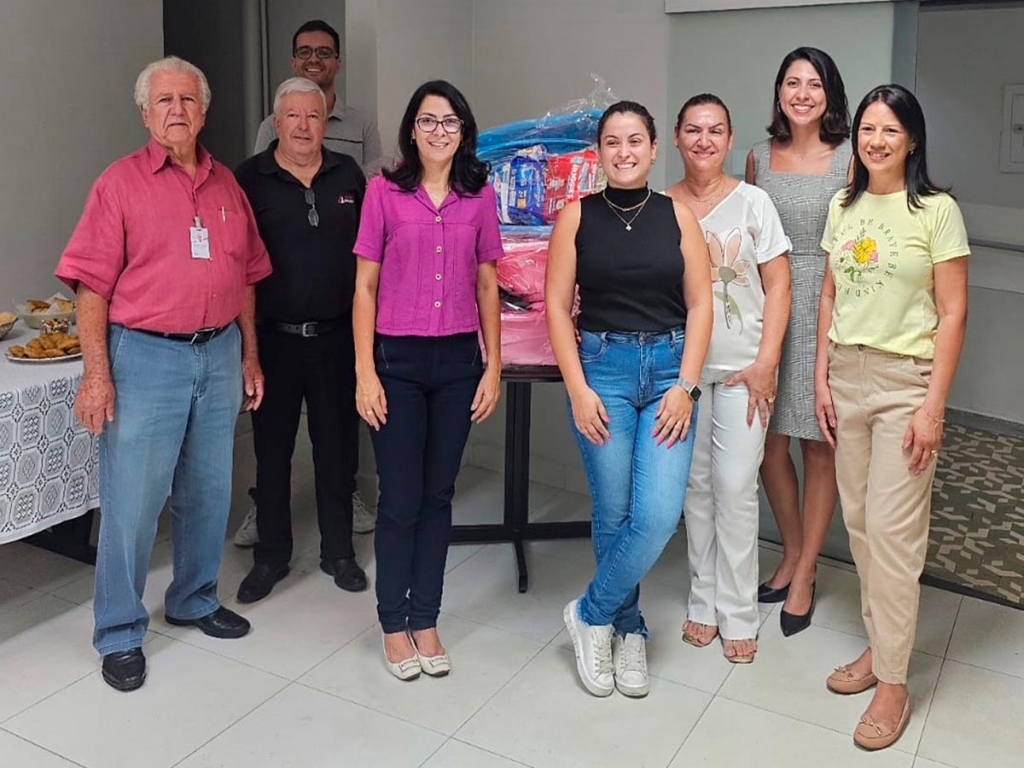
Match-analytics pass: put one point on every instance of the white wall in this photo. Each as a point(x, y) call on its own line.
point(532, 56)
point(965, 57)
point(68, 73)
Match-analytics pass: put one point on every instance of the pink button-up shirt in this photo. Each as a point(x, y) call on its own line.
point(132, 245)
point(428, 256)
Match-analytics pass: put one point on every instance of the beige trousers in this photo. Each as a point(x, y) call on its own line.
point(885, 507)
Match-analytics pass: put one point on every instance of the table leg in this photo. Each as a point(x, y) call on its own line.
point(517, 470)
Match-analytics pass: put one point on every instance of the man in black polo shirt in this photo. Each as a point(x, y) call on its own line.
point(306, 200)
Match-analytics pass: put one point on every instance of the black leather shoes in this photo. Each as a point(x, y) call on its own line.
point(766, 594)
point(260, 581)
point(792, 623)
point(125, 670)
point(222, 623)
point(346, 572)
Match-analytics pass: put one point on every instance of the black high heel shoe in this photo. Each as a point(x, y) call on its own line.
point(766, 594)
point(797, 622)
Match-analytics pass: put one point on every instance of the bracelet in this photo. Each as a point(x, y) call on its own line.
point(937, 421)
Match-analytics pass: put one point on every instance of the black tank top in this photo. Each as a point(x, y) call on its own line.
point(629, 280)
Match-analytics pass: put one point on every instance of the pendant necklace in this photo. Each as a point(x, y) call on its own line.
point(639, 207)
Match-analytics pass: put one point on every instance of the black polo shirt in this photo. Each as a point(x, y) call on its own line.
point(314, 267)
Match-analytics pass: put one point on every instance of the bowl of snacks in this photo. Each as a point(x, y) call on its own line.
point(7, 321)
point(35, 312)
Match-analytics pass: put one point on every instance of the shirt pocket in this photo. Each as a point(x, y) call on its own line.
point(228, 227)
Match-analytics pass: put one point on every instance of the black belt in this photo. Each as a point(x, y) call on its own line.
point(201, 336)
point(308, 329)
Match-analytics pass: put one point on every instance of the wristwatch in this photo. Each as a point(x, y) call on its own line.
point(691, 389)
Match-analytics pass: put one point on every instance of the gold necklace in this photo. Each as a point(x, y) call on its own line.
point(639, 207)
point(641, 204)
point(709, 198)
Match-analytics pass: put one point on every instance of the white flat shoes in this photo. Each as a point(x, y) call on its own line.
point(406, 669)
point(435, 666)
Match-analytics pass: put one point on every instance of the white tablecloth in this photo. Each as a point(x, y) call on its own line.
point(49, 463)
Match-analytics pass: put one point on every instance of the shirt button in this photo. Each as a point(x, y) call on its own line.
point(437, 303)
point(438, 219)
point(437, 276)
point(439, 249)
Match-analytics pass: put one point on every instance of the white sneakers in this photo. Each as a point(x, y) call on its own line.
point(364, 520)
point(247, 535)
point(593, 646)
point(606, 661)
point(629, 657)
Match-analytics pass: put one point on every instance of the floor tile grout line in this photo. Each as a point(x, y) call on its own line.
point(501, 688)
point(186, 641)
point(429, 757)
point(375, 710)
point(235, 722)
point(514, 760)
point(694, 726)
point(5, 721)
point(40, 746)
point(335, 653)
point(928, 710)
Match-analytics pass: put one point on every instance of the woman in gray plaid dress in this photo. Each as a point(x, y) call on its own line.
point(801, 166)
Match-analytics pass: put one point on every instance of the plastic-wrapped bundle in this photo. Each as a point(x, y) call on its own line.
point(537, 166)
point(521, 270)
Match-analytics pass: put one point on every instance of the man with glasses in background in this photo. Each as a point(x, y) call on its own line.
point(315, 56)
point(306, 199)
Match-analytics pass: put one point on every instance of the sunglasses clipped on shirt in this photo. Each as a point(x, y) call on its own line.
point(303, 52)
point(312, 216)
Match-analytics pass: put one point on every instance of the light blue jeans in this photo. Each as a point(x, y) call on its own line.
point(172, 436)
point(637, 487)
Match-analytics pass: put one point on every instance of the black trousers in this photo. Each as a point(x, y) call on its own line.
point(430, 384)
point(321, 371)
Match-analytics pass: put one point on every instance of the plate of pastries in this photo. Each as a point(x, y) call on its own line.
point(51, 346)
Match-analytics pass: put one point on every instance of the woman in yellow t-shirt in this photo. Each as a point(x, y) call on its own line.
point(890, 329)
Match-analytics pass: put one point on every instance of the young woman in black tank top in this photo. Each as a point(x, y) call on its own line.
point(644, 279)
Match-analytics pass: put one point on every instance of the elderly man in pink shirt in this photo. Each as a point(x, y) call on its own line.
point(164, 260)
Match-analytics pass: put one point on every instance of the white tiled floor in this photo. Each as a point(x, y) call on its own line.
point(307, 686)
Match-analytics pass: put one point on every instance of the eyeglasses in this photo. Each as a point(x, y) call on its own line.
point(322, 52)
point(429, 124)
point(313, 216)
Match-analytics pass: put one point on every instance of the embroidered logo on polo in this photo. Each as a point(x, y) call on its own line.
point(346, 199)
point(867, 257)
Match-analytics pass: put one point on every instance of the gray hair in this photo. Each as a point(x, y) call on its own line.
point(297, 85)
point(170, 64)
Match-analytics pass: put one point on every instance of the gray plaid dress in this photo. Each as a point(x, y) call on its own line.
point(802, 202)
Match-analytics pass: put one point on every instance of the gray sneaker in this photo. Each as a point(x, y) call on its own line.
point(593, 646)
point(629, 655)
point(364, 520)
point(246, 535)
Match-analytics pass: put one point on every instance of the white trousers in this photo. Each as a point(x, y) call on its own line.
point(721, 514)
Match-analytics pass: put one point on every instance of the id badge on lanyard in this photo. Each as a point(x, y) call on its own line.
point(200, 238)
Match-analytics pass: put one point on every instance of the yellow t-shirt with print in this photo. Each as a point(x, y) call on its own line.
point(882, 256)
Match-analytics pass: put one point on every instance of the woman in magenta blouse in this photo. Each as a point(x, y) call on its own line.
point(426, 282)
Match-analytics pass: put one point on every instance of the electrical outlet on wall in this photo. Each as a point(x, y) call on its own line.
point(1012, 156)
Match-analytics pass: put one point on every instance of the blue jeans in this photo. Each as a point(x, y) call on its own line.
point(429, 383)
point(172, 436)
point(637, 487)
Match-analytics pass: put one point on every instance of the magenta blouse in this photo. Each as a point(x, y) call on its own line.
point(428, 256)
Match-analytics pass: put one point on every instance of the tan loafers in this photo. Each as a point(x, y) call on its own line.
point(872, 736)
point(844, 682)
